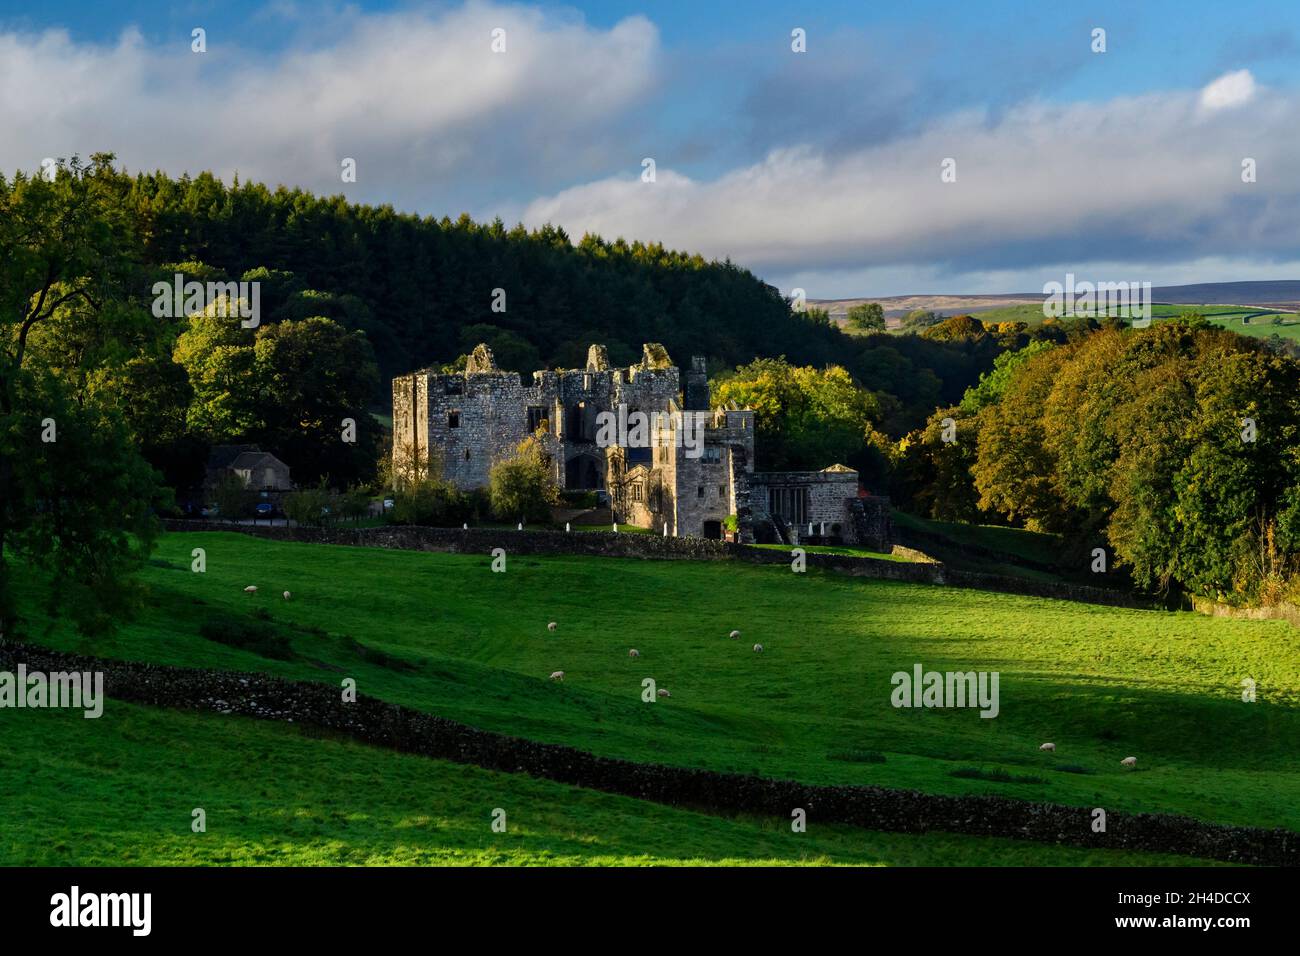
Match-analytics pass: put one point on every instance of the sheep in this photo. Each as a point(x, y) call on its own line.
point(551, 626)
point(734, 634)
point(1047, 747)
point(251, 589)
point(634, 653)
point(287, 595)
point(758, 648)
point(663, 692)
point(1129, 761)
point(557, 675)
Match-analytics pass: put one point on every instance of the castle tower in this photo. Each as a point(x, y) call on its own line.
point(696, 389)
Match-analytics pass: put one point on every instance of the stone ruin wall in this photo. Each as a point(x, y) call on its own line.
point(491, 413)
point(830, 501)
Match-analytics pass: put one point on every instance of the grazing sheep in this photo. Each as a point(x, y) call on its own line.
point(557, 675)
point(634, 653)
point(1047, 747)
point(1129, 761)
point(251, 589)
point(663, 692)
point(551, 626)
point(287, 595)
point(734, 634)
point(758, 648)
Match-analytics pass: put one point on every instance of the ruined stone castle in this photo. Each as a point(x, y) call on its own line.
point(694, 477)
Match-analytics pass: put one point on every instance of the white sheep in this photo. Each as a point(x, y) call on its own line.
point(1047, 747)
point(287, 595)
point(634, 653)
point(557, 675)
point(734, 634)
point(251, 589)
point(758, 648)
point(663, 692)
point(1129, 761)
point(551, 626)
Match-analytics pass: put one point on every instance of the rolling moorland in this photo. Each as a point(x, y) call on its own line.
point(442, 633)
point(1246, 320)
point(1260, 296)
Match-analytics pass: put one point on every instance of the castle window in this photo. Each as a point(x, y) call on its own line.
point(700, 492)
point(453, 386)
point(536, 415)
point(722, 491)
point(453, 419)
point(638, 493)
point(467, 454)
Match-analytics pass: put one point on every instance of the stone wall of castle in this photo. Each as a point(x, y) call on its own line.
point(709, 489)
point(464, 422)
point(824, 500)
point(460, 424)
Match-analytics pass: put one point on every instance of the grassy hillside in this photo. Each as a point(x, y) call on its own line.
point(1246, 320)
point(443, 633)
point(1016, 543)
point(120, 790)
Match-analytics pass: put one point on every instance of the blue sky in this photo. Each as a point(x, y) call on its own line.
point(818, 169)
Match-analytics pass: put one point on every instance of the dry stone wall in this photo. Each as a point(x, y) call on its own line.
point(405, 729)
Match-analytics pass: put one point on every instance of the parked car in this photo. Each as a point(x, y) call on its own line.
point(389, 504)
point(265, 509)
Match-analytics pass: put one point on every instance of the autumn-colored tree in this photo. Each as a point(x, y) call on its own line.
point(522, 488)
point(933, 467)
point(805, 417)
point(1013, 472)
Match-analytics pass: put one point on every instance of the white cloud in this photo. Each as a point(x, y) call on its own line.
point(1151, 178)
point(415, 98)
point(1231, 89)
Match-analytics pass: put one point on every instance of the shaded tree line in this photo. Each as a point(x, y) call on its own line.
point(1175, 449)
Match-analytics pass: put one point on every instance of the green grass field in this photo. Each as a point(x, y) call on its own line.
point(1015, 542)
point(838, 549)
point(120, 791)
point(1032, 312)
point(1258, 323)
point(443, 633)
point(1014, 547)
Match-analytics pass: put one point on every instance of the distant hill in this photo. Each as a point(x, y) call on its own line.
point(1283, 294)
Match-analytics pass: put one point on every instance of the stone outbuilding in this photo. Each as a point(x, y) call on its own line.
point(260, 470)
